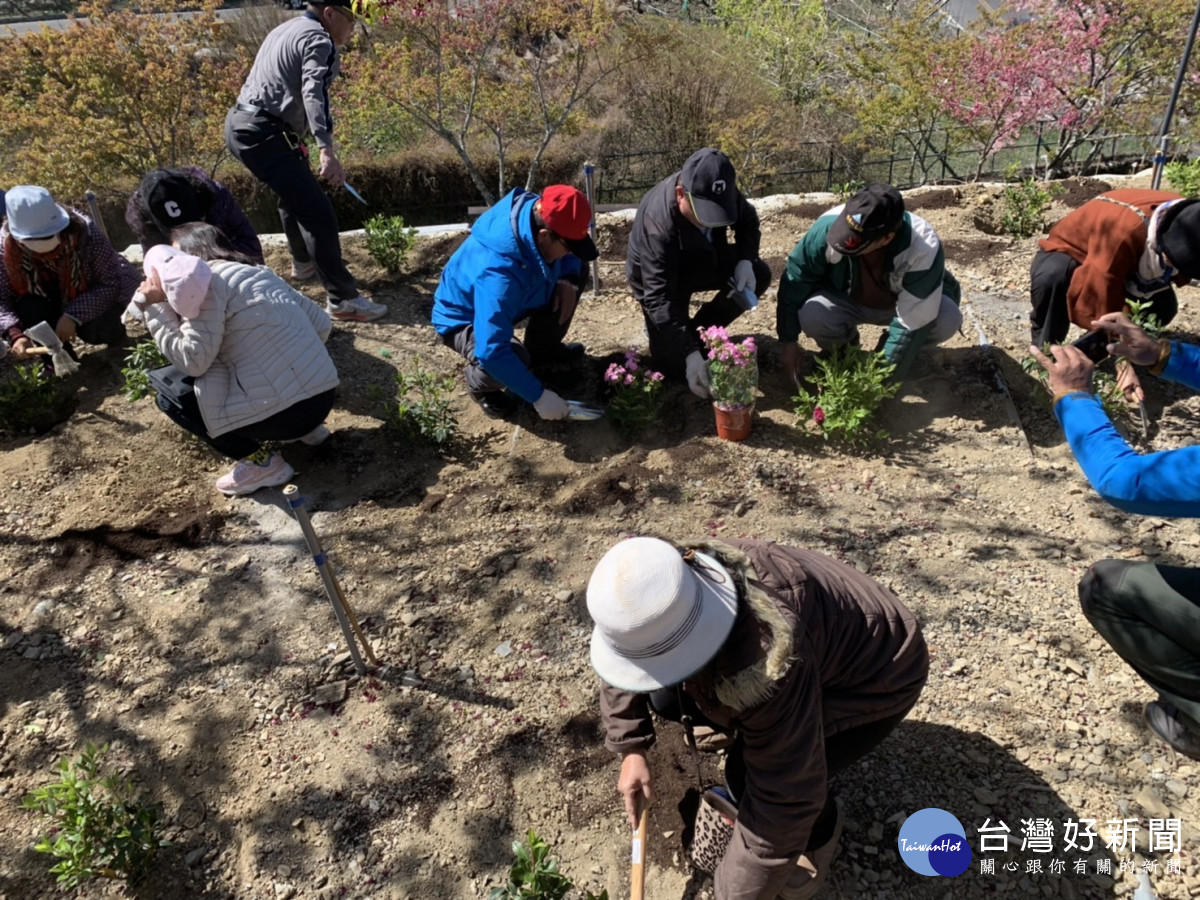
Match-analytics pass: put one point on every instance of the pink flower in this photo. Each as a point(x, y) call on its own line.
point(818, 415)
point(628, 379)
point(656, 376)
point(614, 374)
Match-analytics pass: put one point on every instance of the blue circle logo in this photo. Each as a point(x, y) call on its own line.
point(933, 842)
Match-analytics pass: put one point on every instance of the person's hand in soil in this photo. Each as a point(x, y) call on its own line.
point(565, 298)
point(1130, 341)
point(634, 784)
point(151, 290)
point(65, 329)
point(1069, 370)
point(20, 348)
point(791, 361)
point(1127, 381)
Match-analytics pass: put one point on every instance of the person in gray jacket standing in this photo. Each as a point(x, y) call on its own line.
point(285, 98)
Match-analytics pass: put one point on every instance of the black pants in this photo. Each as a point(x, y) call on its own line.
point(106, 328)
point(1150, 614)
point(286, 425)
point(1049, 279)
point(543, 338)
point(669, 349)
point(841, 750)
point(265, 147)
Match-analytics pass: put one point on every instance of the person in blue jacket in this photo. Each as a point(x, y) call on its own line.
point(522, 260)
point(1149, 613)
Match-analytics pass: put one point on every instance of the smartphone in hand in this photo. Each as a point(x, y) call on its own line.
point(1094, 345)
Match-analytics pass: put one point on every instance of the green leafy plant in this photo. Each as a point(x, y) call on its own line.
point(1025, 203)
point(389, 240)
point(29, 397)
point(849, 385)
point(1104, 385)
point(1184, 176)
point(847, 189)
point(101, 828)
point(144, 356)
point(1139, 312)
point(535, 876)
point(636, 390)
point(423, 405)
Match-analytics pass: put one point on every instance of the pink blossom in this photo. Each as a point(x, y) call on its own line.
point(818, 415)
point(628, 379)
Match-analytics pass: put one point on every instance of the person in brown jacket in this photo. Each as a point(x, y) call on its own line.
point(1132, 243)
point(808, 662)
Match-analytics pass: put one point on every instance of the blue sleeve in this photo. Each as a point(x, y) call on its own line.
point(1156, 484)
point(494, 332)
point(1184, 365)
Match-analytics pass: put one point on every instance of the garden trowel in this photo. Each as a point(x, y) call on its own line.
point(59, 357)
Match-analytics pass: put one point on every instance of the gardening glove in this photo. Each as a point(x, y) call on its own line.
point(551, 406)
point(743, 275)
point(697, 375)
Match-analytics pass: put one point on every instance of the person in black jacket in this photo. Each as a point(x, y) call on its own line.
point(679, 244)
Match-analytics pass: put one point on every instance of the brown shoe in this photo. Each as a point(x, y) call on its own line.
point(710, 740)
point(812, 868)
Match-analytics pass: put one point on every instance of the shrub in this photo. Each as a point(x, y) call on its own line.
point(636, 389)
point(1184, 177)
point(141, 359)
point(29, 397)
point(101, 828)
point(1026, 202)
point(850, 384)
point(389, 240)
point(535, 876)
point(423, 407)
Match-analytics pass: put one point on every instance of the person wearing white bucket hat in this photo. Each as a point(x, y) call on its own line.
point(804, 662)
point(58, 267)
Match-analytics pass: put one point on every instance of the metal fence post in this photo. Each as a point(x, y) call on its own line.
point(829, 171)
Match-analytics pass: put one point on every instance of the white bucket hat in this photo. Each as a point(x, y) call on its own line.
point(658, 619)
point(32, 213)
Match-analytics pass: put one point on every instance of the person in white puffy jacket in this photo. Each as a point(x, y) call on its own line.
point(254, 347)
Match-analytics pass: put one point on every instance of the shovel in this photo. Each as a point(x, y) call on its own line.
point(637, 888)
point(59, 357)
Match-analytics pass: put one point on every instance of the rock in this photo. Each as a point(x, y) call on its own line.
point(284, 891)
point(44, 607)
point(564, 596)
point(505, 649)
point(194, 857)
point(334, 692)
point(1176, 787)
point(986, 797)
point(957, 666)
point(1152, 804)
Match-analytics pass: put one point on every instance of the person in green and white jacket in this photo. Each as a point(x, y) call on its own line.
point(868, 261)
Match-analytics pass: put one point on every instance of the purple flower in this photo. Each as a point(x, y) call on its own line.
point(629, 379)
point(818, 415)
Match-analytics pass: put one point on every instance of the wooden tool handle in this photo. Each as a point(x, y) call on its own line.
point(637, 890)
point(41, 351)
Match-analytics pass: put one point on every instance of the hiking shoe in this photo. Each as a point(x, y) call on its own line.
point(356, 309)
point(1166, 720)
point(250, 474)
point(318, 435)
point(304, 271)
point(498, 404)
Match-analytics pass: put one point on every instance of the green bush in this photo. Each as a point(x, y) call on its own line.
point(1026, 202)
point(535, 876)
point(141, 359)
point(423, 407)
point(389, 240)
point(100, 827)
point(1184, 177)
point(849, 386)
point(29, 397)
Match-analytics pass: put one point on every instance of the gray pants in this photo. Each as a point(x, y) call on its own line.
point(1150, 614)
point(832, 321)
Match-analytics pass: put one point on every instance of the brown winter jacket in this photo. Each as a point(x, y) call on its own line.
point(1107, 240)
point(817, 648)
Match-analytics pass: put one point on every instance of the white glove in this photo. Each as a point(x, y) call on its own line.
point(743, 275)
point(551, 406)
point(697, 374)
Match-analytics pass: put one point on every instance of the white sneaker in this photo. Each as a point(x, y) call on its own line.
point(304, 271)
point(356, 309)
point(318, 435)
point(248, 476)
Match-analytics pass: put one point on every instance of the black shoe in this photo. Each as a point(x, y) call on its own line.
point(498, 404)
point(561, 356)
point(1172, 726)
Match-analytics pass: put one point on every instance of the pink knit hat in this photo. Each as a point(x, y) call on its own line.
point(184, 278)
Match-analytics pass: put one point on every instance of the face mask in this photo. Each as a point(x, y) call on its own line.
point(40, 245)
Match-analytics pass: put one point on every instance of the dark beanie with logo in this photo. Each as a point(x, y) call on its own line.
point(1179, 236)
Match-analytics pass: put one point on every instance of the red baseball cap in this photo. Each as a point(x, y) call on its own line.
point(566, 210)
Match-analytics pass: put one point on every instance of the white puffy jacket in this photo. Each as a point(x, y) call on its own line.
point(256, 347)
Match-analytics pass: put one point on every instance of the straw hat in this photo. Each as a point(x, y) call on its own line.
point(658, 619)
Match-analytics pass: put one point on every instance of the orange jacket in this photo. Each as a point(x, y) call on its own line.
point(1107, 240)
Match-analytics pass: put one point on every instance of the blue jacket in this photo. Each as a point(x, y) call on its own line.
point(493, 281)
point(1166, 483)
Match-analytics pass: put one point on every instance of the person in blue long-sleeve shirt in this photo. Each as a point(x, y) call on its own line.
point(522, 261)
point(1149, 613)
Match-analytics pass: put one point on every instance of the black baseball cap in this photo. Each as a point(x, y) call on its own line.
point(711, 185)
point(874, 212)
point(1179, 236)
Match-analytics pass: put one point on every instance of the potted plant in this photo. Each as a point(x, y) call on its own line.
point(733, 377)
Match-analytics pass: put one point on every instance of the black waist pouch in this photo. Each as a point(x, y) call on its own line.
point(172, 384)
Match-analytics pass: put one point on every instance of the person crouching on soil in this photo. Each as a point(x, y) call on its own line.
point(254, 346)
point(58, 267)
point(806, 664)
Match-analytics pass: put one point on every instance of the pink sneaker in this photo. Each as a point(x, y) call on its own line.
point(248, 476)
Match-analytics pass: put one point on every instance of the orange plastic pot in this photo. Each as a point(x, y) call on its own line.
point(733, 424)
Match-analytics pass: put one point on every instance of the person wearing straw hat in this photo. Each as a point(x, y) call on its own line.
point(57, 266)
point(808, 663)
